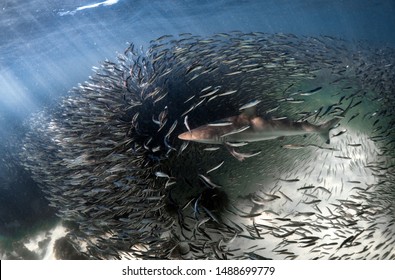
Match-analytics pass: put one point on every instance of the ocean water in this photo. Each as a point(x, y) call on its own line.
point(49, 47)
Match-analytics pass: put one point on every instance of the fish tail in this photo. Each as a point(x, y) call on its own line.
point(326, 127)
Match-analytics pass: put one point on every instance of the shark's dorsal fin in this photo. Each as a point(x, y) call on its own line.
point(249, 109)
point(249, 112)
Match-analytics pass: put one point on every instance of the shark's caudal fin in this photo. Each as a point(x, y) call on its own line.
point(326, 127)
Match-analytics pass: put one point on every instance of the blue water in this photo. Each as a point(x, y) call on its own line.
point(47, 47)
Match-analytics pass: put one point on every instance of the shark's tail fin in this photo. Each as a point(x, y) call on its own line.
point(326, 127)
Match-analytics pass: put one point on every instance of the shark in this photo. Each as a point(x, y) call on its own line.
point(250, 127)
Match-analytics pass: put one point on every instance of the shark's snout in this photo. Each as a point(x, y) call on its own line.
point(201, 135)
point(187, 136)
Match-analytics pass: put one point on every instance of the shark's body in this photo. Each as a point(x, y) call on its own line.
point(248, 127)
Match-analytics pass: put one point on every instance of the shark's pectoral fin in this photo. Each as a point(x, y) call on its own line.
point(235, 154)
point(240, 156)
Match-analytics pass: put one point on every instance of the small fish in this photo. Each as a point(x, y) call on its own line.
point(186, 123)
point(311, 92)
point(287, 88)
point(190, 98)
point(210, 93)
point(341, 99)
point(241, 156)
point(285, 196)
point(220, 124)
point(353, 116)
point(317, 112)
point(170, 182)
point(189, 110)
point(193, 68)
point(227, 93)
point(212, 98)
point(212, 216)
point(236, 131)
point(206, 89)
point(289, 180)
point(312, 201)
point(161, 174)
point(271, 196)
point(327, 110)
point(254, 256)
point(156, 149)
point(251, 215)
point(354, 145)
point(173, 126)
point(211, 149)
point(279, 118)
point(323, 189)
point(294, 101)
point(249, 105)
point(254, 69)
point(356, 104)
point(342, 157)
point(164, 37)
point(187, 204)
point(347, 240)
point(216, 167)
point(307, 214)
point(199, 103)
point(272, 110)
point(208, 182)
point(196, 210)
point(339, 133)
point(184, 145)
point(234, 73)
point(306, 188)
point(293, 146)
